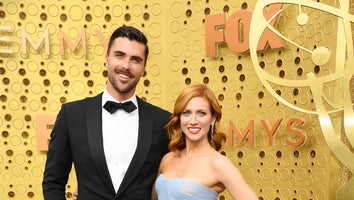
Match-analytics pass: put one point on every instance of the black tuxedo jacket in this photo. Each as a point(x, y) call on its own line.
point(77, 138)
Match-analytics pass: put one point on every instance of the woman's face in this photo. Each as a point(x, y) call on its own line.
point(196, 119)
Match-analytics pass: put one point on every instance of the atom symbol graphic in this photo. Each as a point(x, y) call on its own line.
point(338, 55)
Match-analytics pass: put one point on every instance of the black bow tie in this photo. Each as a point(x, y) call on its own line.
point(112, 106)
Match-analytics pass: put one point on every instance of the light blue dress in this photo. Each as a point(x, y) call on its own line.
point(182, 189)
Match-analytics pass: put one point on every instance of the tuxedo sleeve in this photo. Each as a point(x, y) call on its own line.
point(59, 160)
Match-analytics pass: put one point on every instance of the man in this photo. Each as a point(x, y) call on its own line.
point(116, 156)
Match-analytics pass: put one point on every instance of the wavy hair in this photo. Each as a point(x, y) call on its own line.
point(131, 33)
point(216, 137)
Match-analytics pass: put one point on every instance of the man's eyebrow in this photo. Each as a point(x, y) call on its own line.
point(137, 58)
point(132, 57)
point(119, 52)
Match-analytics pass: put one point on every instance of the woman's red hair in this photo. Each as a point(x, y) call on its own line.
point(216, 137)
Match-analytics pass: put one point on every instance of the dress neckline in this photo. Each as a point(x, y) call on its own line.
point(188, 180)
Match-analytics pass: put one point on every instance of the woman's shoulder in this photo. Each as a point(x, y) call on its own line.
point(169, 157)
point(219, 162)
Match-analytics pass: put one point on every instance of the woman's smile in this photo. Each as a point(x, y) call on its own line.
point(194, 130)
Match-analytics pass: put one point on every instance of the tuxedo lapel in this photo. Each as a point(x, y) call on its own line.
point(94, 132)
point(143, 146)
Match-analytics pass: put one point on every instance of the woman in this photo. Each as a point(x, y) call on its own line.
point(194, 169)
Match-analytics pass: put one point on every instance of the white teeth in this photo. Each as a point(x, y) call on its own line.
point(194, 130)
point(123, 76)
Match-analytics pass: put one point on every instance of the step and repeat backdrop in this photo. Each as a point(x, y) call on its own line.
point(281, 71)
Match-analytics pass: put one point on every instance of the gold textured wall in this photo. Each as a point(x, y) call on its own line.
point(35, 82)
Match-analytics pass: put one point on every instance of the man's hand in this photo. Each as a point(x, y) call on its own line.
point(75, 194)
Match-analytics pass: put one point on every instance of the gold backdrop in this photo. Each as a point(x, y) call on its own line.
point(52, 52)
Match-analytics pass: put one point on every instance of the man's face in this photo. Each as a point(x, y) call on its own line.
point(125, 65)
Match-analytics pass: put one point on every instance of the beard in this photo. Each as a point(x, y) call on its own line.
point(123, 87)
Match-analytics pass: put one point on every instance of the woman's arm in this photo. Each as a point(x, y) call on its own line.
point(162, 163)
point(233, 180)
point(153, 193)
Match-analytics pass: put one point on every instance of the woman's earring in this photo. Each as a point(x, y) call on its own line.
point(212, 131)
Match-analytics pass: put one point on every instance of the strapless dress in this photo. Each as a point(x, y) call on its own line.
point(182, 189)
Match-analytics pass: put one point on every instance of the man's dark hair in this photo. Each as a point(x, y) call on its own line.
point(132, 34)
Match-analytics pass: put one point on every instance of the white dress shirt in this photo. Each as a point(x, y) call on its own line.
point(120, 137)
